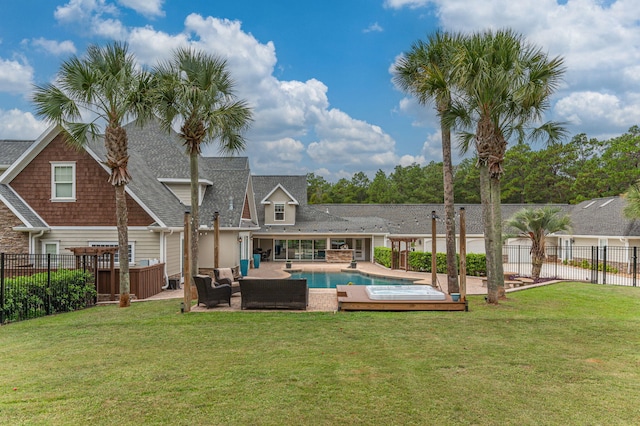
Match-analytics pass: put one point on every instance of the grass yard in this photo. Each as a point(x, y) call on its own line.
point(562, 354)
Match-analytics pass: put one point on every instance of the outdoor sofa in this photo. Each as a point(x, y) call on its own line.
point(274, 293)
point(209, 295)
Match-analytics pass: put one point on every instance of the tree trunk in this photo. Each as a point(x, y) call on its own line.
point(485, 200)
point(537, 259)
point(195, 210)
point(496, 222)
point(449, 210)
point(123, 244)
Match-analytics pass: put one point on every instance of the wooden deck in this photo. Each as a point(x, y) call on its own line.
point(355, 298)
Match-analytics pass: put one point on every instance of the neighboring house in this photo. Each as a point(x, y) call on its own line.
point(53, 197)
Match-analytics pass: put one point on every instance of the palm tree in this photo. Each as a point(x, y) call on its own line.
point(425, 72)
point(536, 224)
point(196, 89)
point(505, 84)
point(108, 85)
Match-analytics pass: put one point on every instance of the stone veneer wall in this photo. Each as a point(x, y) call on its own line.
point(10, 240)
point(339, 256)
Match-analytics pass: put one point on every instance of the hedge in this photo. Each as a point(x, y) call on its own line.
point(421, 261)
point(39, 294)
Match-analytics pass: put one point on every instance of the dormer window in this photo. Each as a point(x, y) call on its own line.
point(278, 210)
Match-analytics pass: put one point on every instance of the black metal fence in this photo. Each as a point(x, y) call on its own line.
point(37, 285)
point(598, 265)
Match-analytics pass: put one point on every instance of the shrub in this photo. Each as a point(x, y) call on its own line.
point(382, 255)
point(33, 296)
point(585, 264)
point(476, 264)
point(421, 261)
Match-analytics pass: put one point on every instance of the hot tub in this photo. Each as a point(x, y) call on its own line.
point(404, 292)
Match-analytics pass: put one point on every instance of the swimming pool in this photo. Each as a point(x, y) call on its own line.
point(318, 279)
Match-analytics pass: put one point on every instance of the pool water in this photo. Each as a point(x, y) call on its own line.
point(331, 279)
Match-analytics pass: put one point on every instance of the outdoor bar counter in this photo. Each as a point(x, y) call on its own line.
point(339, 255)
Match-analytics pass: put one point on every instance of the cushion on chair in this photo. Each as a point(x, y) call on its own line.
point(225, 273)
point(235, 271)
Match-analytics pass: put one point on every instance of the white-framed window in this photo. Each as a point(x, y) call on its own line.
point(116, 256)
point(50, 247)
point(63, 181)
point(278, 212)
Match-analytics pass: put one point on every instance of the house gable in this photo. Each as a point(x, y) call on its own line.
point(181, 188)
point(94, 202)
point(279, 207)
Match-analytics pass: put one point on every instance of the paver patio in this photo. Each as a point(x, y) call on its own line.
point(325, 299)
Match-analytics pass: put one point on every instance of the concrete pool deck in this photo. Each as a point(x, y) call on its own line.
point(325, 299)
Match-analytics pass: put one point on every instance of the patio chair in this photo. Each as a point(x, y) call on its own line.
point(230, 276)
point(266, 255)
point(209, 295)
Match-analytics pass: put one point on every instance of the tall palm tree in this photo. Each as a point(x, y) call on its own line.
point(505, 84)
point(536, 224)
point(196, 89)
point(425, 72)
point(108, 85)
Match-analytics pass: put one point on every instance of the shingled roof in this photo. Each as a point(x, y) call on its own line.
point(603, 217)
point(156, 154)
point(28, 217)
point(415, 219)
point(11, 150)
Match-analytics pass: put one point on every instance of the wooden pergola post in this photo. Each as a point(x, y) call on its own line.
point(463, 255)
point(216, 239)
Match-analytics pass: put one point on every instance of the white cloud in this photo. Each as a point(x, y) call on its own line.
point(150, 45)
point(83, 11)
point(373, 28)
point(399, 4)
point(94, 16)
point(55, 47)
point(148, 8)
point(288, 115)
point(589, 109)
point(285, 112)
point(15, 77)
point(287, 149)
point(598, 41)
point(16, 124)
point(349, 142)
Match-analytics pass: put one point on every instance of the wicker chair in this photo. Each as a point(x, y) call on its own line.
point(230, 276)
point(209, 295)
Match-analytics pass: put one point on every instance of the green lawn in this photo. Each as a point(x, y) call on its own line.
point(555, 355)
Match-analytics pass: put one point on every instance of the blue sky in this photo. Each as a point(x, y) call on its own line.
point(318, 73)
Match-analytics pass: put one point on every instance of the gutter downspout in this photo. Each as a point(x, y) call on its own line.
point(32, 241)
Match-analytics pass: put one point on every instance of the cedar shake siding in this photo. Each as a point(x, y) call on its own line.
point(12, 241)
point(95, 197)
point(246, 211)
